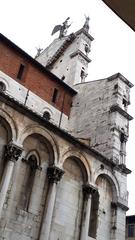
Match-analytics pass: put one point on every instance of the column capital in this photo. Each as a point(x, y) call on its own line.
point(54, 174)
point(123, 137)
point(12, 152)
point(89, 190)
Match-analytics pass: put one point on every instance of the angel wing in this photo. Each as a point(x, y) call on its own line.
point(56, 29)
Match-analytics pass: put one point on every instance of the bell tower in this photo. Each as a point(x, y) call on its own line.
point(68, 56)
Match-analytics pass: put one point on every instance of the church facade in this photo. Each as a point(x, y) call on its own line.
point(63, 171)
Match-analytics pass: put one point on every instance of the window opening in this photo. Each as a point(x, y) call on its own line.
point(116, 86)
point(29, 181)
point(20, 72)
point(63, 77)
point(131, 230)
point(46, 115)
point(125, 104)
point(2, 87)
point(55, 95)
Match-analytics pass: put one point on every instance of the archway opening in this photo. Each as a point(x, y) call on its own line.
point(69, 200)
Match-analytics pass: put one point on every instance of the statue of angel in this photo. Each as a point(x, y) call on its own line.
point(62, 28)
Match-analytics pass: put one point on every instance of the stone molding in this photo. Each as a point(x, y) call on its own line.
point(82, 30)
point(117, 108)
point(12, 152)
point(10, 101)
point(122, 78)
point(54, 174)
point(116, 205)
point(34, 167)
point(80, 53)
point(122, 167)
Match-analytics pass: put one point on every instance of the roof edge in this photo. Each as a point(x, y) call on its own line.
point(119, 75)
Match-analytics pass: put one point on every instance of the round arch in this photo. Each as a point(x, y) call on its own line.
point(79, 158)
point(113, 182)
point(10, 125)
point(35, 153)
point(5, 82)
point(35, 129)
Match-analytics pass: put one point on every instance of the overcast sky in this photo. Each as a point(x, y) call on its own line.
point(29, 24)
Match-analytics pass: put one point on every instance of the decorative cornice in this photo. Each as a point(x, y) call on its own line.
point(62, 48)
point(10, 101)
point(121, 77)
point(78, 52)
point(116, 205)
point(12, 152)
point(124, 169)
point(54, 174)
point(117, 108)
point(82, 30)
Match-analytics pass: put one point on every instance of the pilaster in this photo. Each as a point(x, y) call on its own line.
point(11, 155)
point(54, 176)
point(88, 191)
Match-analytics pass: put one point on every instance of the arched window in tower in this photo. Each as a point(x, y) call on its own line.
point(28, 181)
point(123, 140)
point(83, 74)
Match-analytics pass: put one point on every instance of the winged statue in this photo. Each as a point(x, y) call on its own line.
point(62, 28)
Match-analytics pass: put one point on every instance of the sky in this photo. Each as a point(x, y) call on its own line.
point(29, 24)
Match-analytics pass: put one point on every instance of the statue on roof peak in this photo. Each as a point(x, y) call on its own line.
point(62, 28)
point(86, 24)
point(39, 50)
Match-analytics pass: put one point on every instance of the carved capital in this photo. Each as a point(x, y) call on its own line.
point(12, 152)
point(54, 174)
point(88, 190)
point(123, 138)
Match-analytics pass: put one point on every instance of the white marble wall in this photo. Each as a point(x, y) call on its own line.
point(91, 116)
point(21, 224)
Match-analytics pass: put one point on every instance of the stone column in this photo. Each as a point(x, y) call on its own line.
point(88, 190)
point(54, 175)
point(12, 153)
point(118, 221)
point(123, 139)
